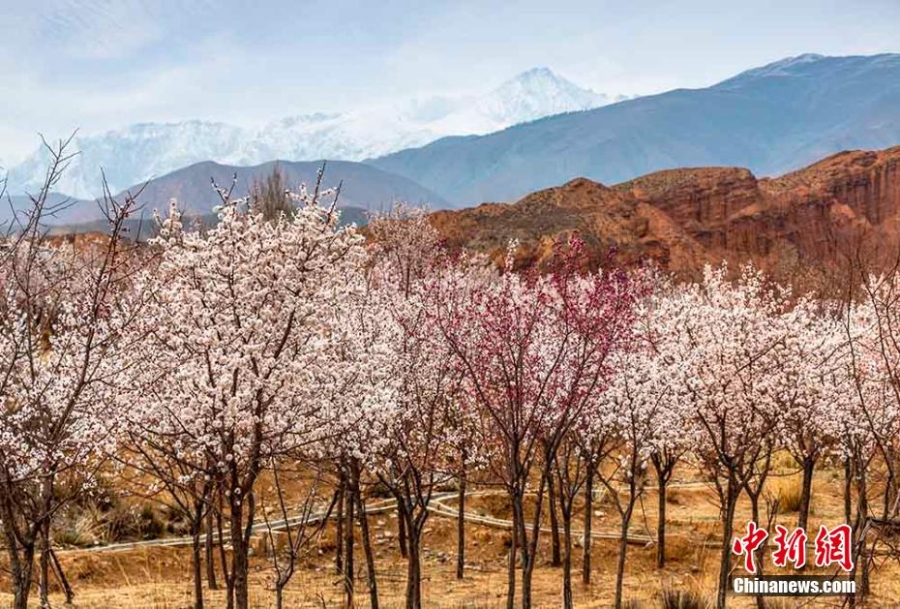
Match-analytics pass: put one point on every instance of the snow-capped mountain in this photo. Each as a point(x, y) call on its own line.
point(529, 96)
point(143, 151)
point(771, 120)
point(133, 154)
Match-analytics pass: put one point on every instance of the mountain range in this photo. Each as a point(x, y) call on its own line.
point(770, 119)
point(144, 151)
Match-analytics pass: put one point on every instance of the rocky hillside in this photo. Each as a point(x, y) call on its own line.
point(683, 218)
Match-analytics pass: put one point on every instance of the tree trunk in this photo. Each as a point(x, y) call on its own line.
point(339, 532)
point(588, 523)
point(513, 554)
point(461, 528)
point(401, 531)
point(209, 553)
point(759, 553)
point(888, 492)
point(63, 580)
point(367, 547)
point(239, 558)
point(567, 559)
point(530, 546)
point(730, 497)
point(43, 529)
point(229, 580)
point(661, 521)
point(349, 571)
point(862, 515)
point(555, 555)
point(19, 548)
point(623, 550)
point(848, 489)
point(279, 596)
point(44, 571)
point(413, 569)
point(196, 567)
point(663, 463)
point(862, 565)
point(22, 578)
point(808, 465)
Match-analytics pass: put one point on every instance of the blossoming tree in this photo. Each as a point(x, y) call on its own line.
point(63, 309)
point(533, 350)
point(238, 325)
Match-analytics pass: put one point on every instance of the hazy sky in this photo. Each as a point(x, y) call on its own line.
point(102, 64)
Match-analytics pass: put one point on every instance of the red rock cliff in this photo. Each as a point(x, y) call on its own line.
point(684, 218)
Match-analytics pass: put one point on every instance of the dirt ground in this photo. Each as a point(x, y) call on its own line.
point(159, 577)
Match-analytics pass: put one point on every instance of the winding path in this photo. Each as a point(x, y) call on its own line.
point(437, 507)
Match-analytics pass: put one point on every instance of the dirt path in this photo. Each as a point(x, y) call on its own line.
point(438, 507)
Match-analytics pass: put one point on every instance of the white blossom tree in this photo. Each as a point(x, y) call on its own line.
point(63, 309)
point(423, 432)
point(727, 329)
point(667, 372)
point(812, 385)
point(238, 320)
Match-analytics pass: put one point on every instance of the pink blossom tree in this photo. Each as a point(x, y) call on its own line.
point(533, 352)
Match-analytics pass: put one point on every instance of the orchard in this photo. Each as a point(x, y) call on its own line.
point(211, 369)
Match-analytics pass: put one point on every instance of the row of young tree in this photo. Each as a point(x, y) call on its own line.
point(202, 367)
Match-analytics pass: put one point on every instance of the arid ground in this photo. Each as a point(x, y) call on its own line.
point(159, 577)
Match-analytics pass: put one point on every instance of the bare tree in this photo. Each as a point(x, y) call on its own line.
point(296, 530)
point(271, 196)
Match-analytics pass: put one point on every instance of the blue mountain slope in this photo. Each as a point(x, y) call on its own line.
point(771, 119)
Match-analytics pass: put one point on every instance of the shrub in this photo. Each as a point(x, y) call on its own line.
point(683, 598)
point(789, 493)
point(675, 497)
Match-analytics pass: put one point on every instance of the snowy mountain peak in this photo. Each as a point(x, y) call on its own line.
point(143, 151)
point(536, 93)
point(537, 75)
point(539, 78)
point(307, 119)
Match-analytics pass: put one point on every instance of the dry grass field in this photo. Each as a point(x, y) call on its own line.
point(159, 577)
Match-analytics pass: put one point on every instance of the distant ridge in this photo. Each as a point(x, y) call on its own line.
point(363, 187)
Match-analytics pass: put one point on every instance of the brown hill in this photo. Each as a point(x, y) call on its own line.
point(684, 218)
